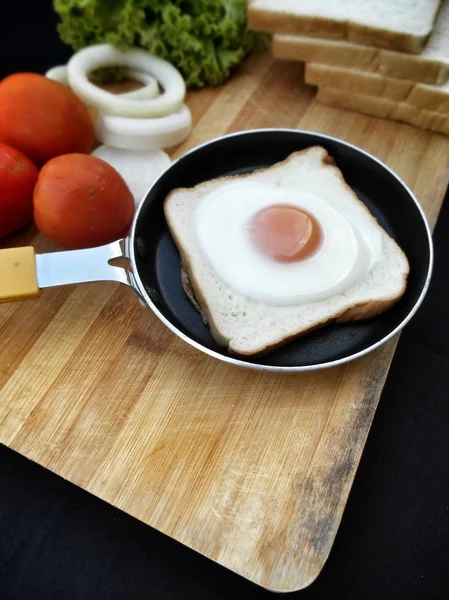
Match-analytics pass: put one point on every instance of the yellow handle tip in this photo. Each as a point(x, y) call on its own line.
point(18, 277)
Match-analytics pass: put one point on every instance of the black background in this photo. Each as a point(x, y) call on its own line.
point(59, 543)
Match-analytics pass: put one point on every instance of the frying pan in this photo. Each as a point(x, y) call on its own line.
point(155, 272)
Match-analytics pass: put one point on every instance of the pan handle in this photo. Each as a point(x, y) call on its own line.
point(23, 273)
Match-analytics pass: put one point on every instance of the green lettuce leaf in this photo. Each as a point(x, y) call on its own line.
point(205, 39)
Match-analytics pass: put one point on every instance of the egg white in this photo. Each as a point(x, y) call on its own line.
point(222, 223)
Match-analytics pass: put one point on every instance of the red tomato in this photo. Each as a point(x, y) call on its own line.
point(43, 118)
point(80, 201)
point(18, 176)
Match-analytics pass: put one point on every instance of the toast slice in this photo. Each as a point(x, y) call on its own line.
point(419, 95)
point(247, 326)
point(385, 109)
point(394, 24)
point(431, 66)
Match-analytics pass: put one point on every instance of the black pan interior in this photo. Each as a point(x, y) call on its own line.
point(157, 259)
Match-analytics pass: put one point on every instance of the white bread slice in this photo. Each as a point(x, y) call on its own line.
point(419, 95)
point(403, 25)
point(431, 66)
point(385, 109)
point(247, 326)
point(358, 82)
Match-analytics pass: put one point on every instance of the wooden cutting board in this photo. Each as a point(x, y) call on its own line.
point(250, 469)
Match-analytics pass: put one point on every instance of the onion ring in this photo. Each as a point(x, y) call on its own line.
point(144, 134)
point(58, 74)
point(104, 55)
point(139, 169)
point(150, 89)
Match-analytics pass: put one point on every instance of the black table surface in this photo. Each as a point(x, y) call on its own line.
point(58, 542)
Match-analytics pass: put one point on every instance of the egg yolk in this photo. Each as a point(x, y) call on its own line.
point(286, 233)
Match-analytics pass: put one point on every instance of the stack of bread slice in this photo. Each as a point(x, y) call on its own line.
point(386, 58)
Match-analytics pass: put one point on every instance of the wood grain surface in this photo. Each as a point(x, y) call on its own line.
point(250, 469)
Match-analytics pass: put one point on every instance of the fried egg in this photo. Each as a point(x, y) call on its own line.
point(284, 246)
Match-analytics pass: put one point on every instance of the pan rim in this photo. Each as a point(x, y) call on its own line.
point(241, 362)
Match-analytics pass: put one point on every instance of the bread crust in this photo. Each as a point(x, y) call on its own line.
point(199, 298)
point(281, 22)
point(385, 109)
point(388, 63)
point(358, 312)
point(358, 82)
point(418, 95)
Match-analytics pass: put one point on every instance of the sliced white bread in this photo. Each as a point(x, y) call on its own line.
point(423, 96)
point(357, 82)
point(431, 66)
point(385, 109)
point(403, 25)
point(247, 326)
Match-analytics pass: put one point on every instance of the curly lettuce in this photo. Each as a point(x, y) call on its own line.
point(205, 39)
